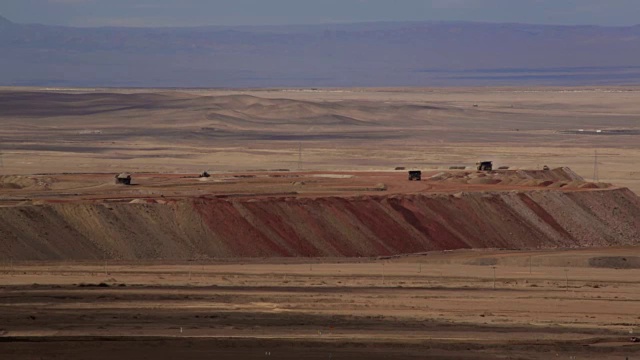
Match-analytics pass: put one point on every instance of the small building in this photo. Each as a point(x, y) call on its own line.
point(123, 178)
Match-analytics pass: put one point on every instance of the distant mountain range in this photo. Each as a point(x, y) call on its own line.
point(336, 55)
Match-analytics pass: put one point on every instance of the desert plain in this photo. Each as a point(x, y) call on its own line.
point(307, 240)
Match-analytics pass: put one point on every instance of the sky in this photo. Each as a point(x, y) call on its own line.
point(157, 13)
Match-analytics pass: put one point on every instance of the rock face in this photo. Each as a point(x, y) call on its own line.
point(323, 227)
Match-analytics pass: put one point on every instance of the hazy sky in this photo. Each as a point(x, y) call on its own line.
point(262, 12)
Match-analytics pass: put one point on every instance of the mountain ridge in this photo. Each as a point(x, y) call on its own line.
point(331, 55)
point(380, 23)
point(5, 21)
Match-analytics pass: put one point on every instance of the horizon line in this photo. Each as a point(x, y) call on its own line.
point(368, 22)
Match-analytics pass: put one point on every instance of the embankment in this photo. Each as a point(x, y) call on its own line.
point(363, 226)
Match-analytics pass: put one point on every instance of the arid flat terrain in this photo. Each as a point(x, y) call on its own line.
point(307, 240)
point(569, 304)
point(108, 130)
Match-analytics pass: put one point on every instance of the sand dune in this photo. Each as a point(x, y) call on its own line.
point(245, 107)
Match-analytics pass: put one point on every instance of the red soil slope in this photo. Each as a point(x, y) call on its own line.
point(330, 226)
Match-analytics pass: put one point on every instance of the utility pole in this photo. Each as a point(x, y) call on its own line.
point(494, 277)
point(300, 156)
point(595, 165)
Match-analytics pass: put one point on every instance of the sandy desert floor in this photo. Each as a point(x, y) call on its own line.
point(187, 131)
point(60, 149)
point(444, 305)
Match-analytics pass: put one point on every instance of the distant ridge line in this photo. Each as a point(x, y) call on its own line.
point(333, 25)
point(374, 54)
point(4, 20)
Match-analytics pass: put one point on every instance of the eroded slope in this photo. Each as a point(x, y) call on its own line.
point(330, 226)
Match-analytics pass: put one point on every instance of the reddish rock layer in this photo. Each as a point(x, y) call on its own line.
point(332, 226)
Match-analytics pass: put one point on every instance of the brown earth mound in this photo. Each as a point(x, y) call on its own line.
point(329, 226)
point(16, 182)
point(615, 262)
point(559, 177)
point(483, 262)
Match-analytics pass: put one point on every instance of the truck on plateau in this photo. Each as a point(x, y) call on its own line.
point(484, 165)
point(415, 175)
point(123, 179)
